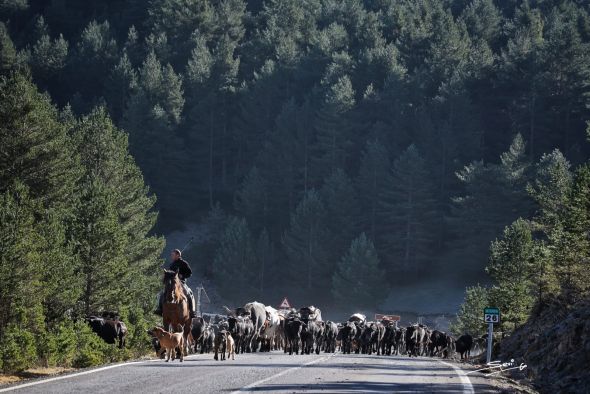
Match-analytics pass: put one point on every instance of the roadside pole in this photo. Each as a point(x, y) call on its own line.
point(491, 315)
point(490, 339)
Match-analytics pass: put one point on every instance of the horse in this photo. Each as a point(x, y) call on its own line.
point(175, 306)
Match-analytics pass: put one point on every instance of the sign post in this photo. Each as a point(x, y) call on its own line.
point(491, 316)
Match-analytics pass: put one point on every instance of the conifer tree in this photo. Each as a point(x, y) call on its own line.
point(305, 243)
point(358, 282)
point(236, 266)
point(407, 209)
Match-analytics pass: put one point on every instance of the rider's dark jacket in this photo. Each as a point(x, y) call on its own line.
point(182, 267)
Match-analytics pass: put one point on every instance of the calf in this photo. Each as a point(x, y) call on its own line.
point(170, 341)
point(230, 346)
point(220, 344)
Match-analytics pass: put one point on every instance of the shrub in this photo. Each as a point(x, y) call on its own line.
point(17, 349)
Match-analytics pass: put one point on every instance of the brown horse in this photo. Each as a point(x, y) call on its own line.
point(175, 306)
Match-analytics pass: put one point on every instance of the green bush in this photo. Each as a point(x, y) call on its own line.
point(17, 349)
point(91, 350)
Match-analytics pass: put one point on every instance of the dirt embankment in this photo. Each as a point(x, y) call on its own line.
point(555, 345)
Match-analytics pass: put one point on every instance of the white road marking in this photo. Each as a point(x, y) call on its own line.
point(73, 375)
point(467, 386)
point(286, 371)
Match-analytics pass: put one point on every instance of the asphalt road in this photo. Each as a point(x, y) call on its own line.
point(269, 373)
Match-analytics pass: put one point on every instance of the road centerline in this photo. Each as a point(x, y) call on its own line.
point(282, 373)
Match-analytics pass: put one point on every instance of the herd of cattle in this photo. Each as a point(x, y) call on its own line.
point(256, 327)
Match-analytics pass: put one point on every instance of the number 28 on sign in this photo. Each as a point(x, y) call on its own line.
point(491, 315)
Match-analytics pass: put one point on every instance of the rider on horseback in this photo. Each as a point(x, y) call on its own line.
point(180, 266)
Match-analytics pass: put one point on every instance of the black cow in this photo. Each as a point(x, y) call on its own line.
point(330, 336)
point(438, 342)
point(366, 339)
point(347, 334)
point(310, 335)
point(293, 329)
point(241, 329)
point(198, 329)
point(463, 345)
point(207, 341)
point(110, 330)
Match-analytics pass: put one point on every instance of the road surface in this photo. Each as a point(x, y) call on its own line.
point(269, 373)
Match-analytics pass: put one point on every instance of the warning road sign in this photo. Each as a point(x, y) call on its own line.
point(285, 304)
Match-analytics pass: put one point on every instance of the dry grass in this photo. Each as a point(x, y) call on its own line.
point(32, 373)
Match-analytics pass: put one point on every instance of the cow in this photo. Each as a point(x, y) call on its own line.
point(109, 329)
point(377, 338)
point(310, 335)
point(310, 313)
point(366, 338)
point(330, 337)
point(449, 350)
point(416, 340)
point(347, 335)
point(463, 345)
point(438, 342)
point(208, 340)
point(257, 313)
point(198, 329)
point(270, 329)
point(293, 328)
point(400, 341)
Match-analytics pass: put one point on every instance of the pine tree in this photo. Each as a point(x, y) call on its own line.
point(495, 194)
point(305, 244)
point(252, 200)
point(104, 153)
point(152, 115)
point(407, 209)
point(236, 267)
point(511, 266)
point(100, 246)
point(550, 188)
point(35, 147)
point(122, 82)
point(21, 264)
point(569, 241)
point(358, 282)
point(265, 257)
point(333, 136)
point(7, 50)
point(469, 318)
point(372, 182)
point(339, 198)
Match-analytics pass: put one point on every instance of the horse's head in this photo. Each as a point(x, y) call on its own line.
point(172, 287)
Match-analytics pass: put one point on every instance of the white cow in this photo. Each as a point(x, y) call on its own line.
point(271, 329)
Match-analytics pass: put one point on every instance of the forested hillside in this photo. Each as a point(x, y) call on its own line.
point(328, 146)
